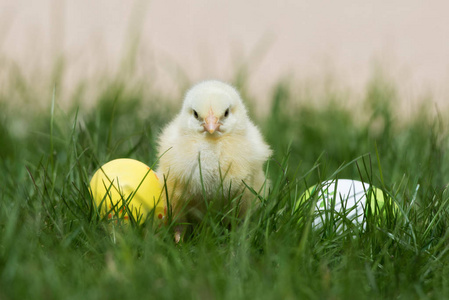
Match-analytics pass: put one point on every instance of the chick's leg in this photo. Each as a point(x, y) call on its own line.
point(179, 233)
point(178, 215)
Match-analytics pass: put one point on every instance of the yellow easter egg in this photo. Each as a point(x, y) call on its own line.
point(124, 186)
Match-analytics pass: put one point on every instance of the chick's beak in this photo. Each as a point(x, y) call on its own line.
point(211, 122)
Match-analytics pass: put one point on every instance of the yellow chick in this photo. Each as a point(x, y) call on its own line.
point(211, 148)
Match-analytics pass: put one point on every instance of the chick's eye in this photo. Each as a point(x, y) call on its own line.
point(226, 113)
point(195, 114)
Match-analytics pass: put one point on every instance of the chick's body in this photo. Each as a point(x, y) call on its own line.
point(211, 146)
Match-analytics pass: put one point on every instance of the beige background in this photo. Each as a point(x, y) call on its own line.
point(306, 40)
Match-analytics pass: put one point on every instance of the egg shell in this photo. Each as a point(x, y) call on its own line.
point(343, 199)
point(128, 181)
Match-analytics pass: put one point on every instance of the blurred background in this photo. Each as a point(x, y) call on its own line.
point(342, 43)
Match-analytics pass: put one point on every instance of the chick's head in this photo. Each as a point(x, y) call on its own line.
point(213, 108)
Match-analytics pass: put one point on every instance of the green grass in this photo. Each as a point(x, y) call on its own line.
point(54, 246)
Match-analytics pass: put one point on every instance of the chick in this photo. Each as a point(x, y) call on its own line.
point(211, 146)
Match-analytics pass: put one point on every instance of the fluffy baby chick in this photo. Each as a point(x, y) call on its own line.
point(211, 146)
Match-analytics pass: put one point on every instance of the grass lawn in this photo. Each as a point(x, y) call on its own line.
point(54, 246)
